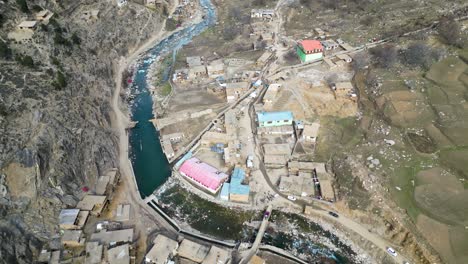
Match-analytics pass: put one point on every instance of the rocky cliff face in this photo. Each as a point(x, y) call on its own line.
point(55, 111)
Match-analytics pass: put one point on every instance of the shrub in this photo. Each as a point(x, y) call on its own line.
point(360, 61)
point(419, 54)
point(449, 31)
point(385, 56)
point(36, 8)
point(23, 6)
point(76, 40)
point(5, 51)
point(60, 82)
point(25, 61)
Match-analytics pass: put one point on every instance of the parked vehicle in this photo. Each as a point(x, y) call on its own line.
point(292, 198)
point(392, 252)
point(333, 214)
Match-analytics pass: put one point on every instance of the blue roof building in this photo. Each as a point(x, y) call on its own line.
point(224, 194)
point(238, 192)
point(268, 119)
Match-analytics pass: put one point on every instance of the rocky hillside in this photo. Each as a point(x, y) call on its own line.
point(55, 110)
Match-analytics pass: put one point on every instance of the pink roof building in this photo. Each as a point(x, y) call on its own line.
point(204, 175)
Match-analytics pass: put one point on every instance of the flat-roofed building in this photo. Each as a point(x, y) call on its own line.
point(235, 90)
point(266, 119)
point(203, 175)
point(343, 88)
point(173, 137)
point(197, 71)
point(257, 260)
point(329, 44)
point(72, 218)
point(93, 203)
point(27, 25)
point(275, 161)
point(111, 237)
point(163, 249)
point(238, 192)
point(122, 212)
point(215, 69)
point(93, 253)
point(73, 238)
point(310, 132)
point(217, 255)
point(271, 93)
point(44, 16)
point(119, 254)
point(296, 166)
point(326, 188)
point(193, 251)
point(344, 57)
point(297, 185)
point(194, 61)
point(167, 149)
point(277, 149)
point(279, 130)
point(102, 185)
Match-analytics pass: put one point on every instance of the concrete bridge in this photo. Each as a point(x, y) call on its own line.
point(258, 239)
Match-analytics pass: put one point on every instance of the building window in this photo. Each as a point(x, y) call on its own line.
point(286, 121)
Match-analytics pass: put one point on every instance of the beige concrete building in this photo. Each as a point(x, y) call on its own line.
point(72, 218)
point(217, 255)
point(93, 253)
point(73, 238)
point(193, 251)
point(310, 132)
point(277, 149)
point(110, 237)
point(119, 254)
point(215, 69)
point(93, 203)
point(163, 250)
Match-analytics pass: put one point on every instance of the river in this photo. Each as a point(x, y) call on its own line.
point(150, 165)
point(149, 162)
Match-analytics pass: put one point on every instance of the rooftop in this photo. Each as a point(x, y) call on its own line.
point(203, 173)
point(216, 255)
point(277, 149)
point(193, 251)
point(123, 212)
point(311, 130)
point(236, 186)
point(93, 253)
point(71, 236)
point(274, 116)
point(311, 44)
point(27, 24)
point(194, 61)
point(101, 185)
point(275, 159)
point(119, 255)
point(161, 250)
point(237, 85)
point(125, 235)
point(68, 216)
point(90, 201)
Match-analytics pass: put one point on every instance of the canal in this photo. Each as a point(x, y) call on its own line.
point(149, 162)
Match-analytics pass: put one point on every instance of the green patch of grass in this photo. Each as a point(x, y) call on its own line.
point(166, 89)
point(206, 216)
